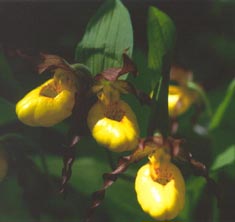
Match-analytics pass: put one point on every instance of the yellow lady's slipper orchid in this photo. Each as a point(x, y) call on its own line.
point(160, 188)
point(114, 125)
point(49, 103)
point(179, 100)
point(3, 164)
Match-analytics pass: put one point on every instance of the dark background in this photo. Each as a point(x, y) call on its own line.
point(205, 31)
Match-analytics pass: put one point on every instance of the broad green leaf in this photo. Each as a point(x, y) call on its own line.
point(143, 81)
point(7, 112)
point(161, 38)
point(219, 114)
point(161, 35)
point(225, 158)
point(108, 34)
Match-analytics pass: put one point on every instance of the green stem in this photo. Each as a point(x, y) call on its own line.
point(159, 118)
point(218, 115)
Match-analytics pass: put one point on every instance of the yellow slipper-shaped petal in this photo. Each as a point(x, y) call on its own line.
point(46, 105)
point(162, 197)
point(114, 126)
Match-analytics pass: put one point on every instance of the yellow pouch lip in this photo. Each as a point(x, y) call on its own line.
point(162, 202)
point(44, 106)
point(127, 131)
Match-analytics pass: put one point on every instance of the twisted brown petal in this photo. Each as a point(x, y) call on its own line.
point(123, 164)
point(109, 179)
point(126, 87)
point(68, 159)
point(113, 74)
point(199, 169)
point(49, 62)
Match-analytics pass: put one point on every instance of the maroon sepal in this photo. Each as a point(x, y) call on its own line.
point(113, 74)
point(51, 62)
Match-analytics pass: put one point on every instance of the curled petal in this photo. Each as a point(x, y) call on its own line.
point(112, 74)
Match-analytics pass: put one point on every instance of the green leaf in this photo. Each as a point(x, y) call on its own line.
point(194, 190)
point(7, 112)
point(120, 201)
point(108, 34)
point(161, 35)
point(225, 158)
point(143, 81)
point(161, 38)
point(219, 114)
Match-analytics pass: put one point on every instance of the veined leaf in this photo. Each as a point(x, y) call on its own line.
point(161, 35)
point(108, 34)
point(161, 38)
point(225, 158)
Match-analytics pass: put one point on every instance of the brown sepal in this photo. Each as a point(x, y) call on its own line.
point(42, 61)
point(113, 74)
point(50, 62)
point(126, 87)
point(147, 146)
